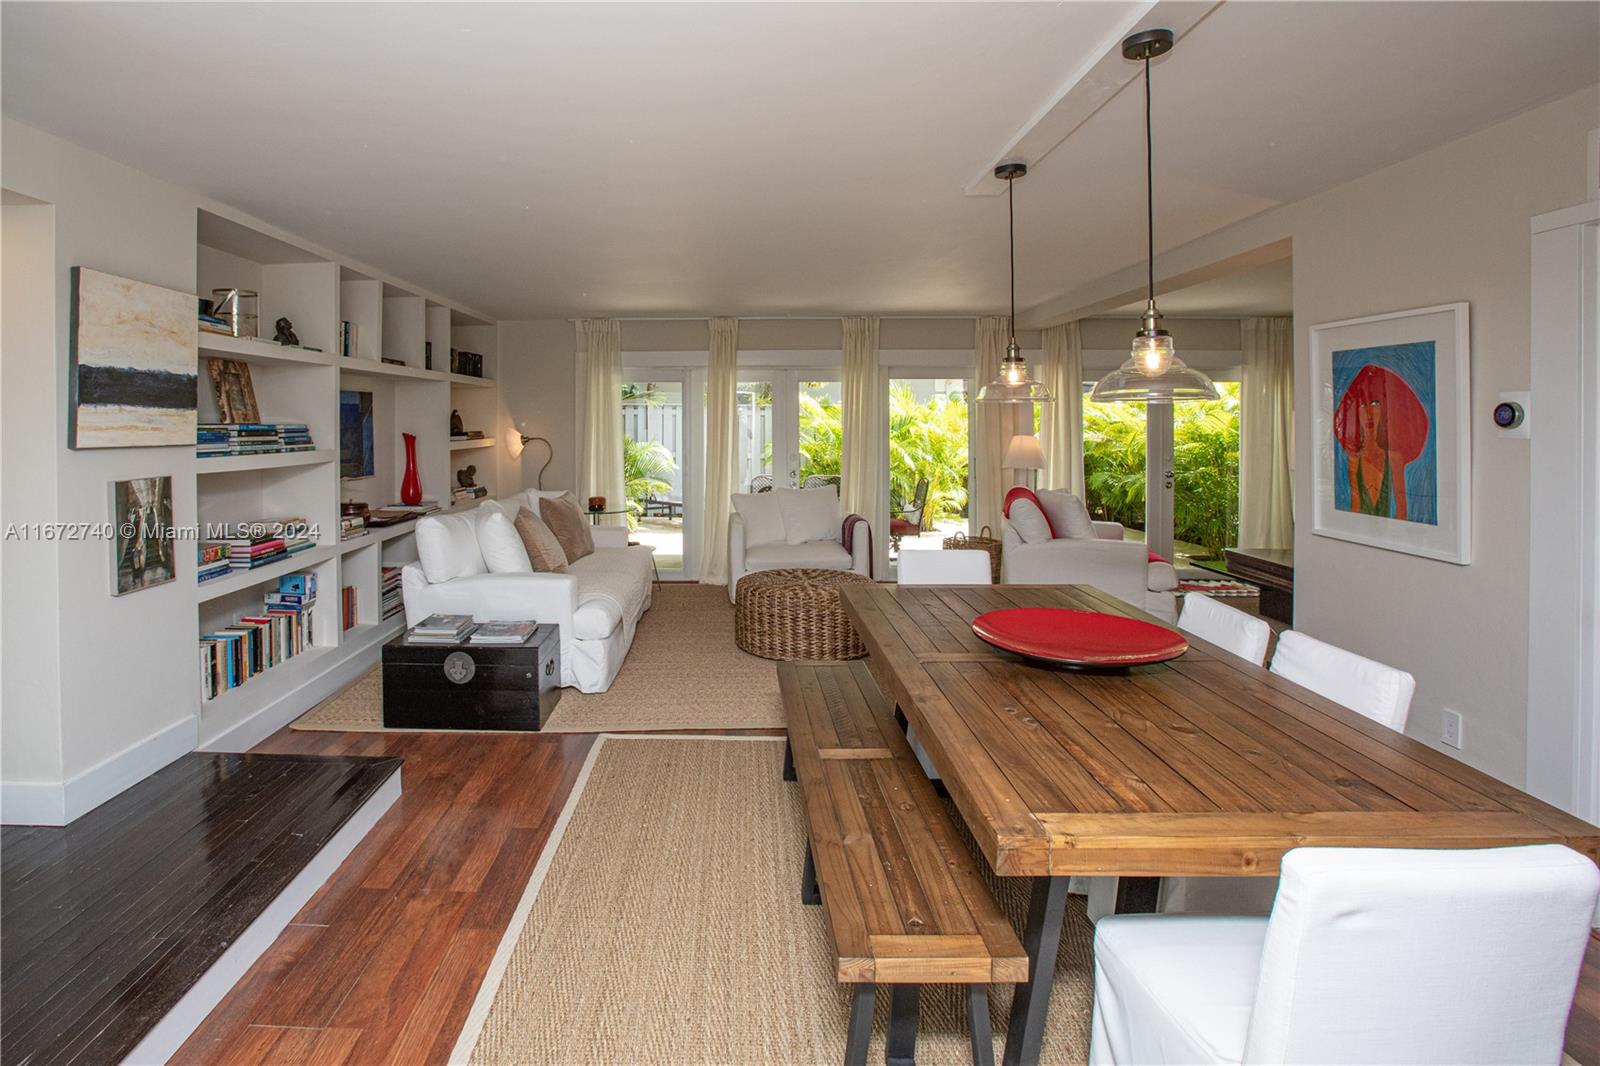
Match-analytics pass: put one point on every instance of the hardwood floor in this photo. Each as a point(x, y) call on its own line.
point(110, 920)
point(382, 965)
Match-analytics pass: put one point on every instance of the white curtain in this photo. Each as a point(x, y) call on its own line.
point(1061, 423)
point(722, 448)
point(1266, 434)
point(864, 422)
point(992, 426)
point(600, 341)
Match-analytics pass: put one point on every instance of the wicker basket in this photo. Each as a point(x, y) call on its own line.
point(984, 541)
point(796, 614)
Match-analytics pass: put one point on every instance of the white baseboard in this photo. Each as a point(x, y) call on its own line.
point(163, 1041)
point(46, 803)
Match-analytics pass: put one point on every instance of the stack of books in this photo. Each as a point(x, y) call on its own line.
point(258, 544)
point(441, 629)
point(391, 603)
point(503, 632)
point(473, 492)
point(256, 643)
point(252, 438)
point(427, 505)
point(352, 525)
point(469, 364)
point(214, 561)
point(347, 607)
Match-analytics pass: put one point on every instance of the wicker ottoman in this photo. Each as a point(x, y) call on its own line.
point(796, 614)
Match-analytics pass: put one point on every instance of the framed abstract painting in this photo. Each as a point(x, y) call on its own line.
point(1392, 435)
point(135, 350)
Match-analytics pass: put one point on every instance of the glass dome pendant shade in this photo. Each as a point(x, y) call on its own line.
point(1153, 372)
point(1013, 384)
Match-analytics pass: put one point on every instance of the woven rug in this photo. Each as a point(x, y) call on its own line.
point(663, 925)
point(683, 672)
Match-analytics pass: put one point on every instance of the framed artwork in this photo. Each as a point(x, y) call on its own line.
point(142, 544)
point(134, 357)
point(236, 395)
point(355, 434)
point(1393, 439)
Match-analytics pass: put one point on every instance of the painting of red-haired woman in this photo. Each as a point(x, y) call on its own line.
point(1384, 426)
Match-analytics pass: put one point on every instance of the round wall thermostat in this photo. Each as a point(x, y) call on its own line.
point(1507, 414)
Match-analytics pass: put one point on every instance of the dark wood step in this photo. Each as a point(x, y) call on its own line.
point(106, 923)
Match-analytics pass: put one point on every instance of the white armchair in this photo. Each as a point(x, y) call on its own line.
point(792, 528)
point(1120, 567)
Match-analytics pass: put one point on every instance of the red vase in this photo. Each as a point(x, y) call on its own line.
point(410, 486)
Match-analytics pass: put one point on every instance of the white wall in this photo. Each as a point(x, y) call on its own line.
point(1450, 224)
point(538, 386)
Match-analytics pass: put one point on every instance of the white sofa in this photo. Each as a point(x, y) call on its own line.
point(597, 602)
point(774, 547)
point(1120, 567)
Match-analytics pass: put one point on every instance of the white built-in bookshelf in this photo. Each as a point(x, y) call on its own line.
point(303, 384)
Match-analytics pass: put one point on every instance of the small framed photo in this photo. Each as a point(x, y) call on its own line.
point(1392, 435)
point(143, 549)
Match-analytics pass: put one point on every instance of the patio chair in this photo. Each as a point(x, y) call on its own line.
point(817, 481)
point(907, 522)
point(761, 483)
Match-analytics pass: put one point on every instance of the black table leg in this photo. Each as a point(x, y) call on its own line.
point(900, 1045)
point(860, 1032)
point(978, 1025)
point(810, 893)
point(1041, 939)
point(1137, 895)
point(788, 761)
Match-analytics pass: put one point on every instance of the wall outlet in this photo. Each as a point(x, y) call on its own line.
point(1450, 731)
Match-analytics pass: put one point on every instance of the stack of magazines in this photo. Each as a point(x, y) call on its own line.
point(441, 629)
point(503, 632)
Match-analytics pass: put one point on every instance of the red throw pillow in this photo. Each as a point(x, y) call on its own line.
point(1154, 558)
point(1023, 493)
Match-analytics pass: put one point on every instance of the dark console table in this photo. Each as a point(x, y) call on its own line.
point(1273, 570)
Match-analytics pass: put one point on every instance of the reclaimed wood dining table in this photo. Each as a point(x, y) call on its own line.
point(1205, 765)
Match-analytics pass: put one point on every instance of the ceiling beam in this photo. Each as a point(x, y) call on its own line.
point(1087, 90)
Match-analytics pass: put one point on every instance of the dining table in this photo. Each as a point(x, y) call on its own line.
point(1203, 765)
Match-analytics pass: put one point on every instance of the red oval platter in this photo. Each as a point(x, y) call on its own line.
point(1078, 638)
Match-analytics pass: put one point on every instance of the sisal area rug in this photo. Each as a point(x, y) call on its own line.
point(683, 672)
point(663, 925)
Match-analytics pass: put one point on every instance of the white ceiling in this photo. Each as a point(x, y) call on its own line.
point(1262, 290)
point(548, 160)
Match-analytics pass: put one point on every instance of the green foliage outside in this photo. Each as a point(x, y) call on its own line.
point(1205, 473)
point(647, 467)
point(925, 440)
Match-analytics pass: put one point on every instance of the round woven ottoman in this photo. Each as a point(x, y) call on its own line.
point(796, 614)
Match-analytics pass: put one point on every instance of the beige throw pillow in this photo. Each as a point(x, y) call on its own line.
point(561, 514)
point(544, 550)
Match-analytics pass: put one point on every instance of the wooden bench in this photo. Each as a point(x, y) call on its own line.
point(905, 906)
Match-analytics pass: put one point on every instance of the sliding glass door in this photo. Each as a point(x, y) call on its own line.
point(929, 460)
point(790, 434)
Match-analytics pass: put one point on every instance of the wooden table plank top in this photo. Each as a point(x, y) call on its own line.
point(1202, 765)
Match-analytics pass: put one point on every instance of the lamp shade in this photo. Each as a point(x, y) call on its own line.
point(1129, 383)
point(1024, 453)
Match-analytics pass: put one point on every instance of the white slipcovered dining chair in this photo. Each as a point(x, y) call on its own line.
point(1228, 628)
point(960, 566)
point(1370, 955)
point(1380, 692)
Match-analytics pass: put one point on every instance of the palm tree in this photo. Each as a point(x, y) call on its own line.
point(647, 467)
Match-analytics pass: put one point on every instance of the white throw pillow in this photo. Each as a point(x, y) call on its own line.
point(809, 514)
point(763, 518)
point(1068, 515)
point(447, 547)
point(500, 544)
point(1029, 522)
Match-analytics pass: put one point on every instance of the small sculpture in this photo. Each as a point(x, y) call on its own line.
point(464, 477)
point(285, 334)
point(458, 428)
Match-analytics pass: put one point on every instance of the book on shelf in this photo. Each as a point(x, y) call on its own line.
point(428, 505)
point(257, 642)
point(347, 338)
point(213, 560)
point(347, 607)
point(352, 525)
point(475, 492)
point(388, 516)
point(441, 629)
point(502, 633)
point(467, 364)
point(214, 439)
point(391, 602)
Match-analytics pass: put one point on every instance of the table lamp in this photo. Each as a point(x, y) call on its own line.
point(1024, 453)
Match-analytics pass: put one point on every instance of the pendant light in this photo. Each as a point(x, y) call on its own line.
point(1013, 384)
point(1153, 372)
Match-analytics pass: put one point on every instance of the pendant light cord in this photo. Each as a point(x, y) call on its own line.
point(1011, 236)
point(1149, 186)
